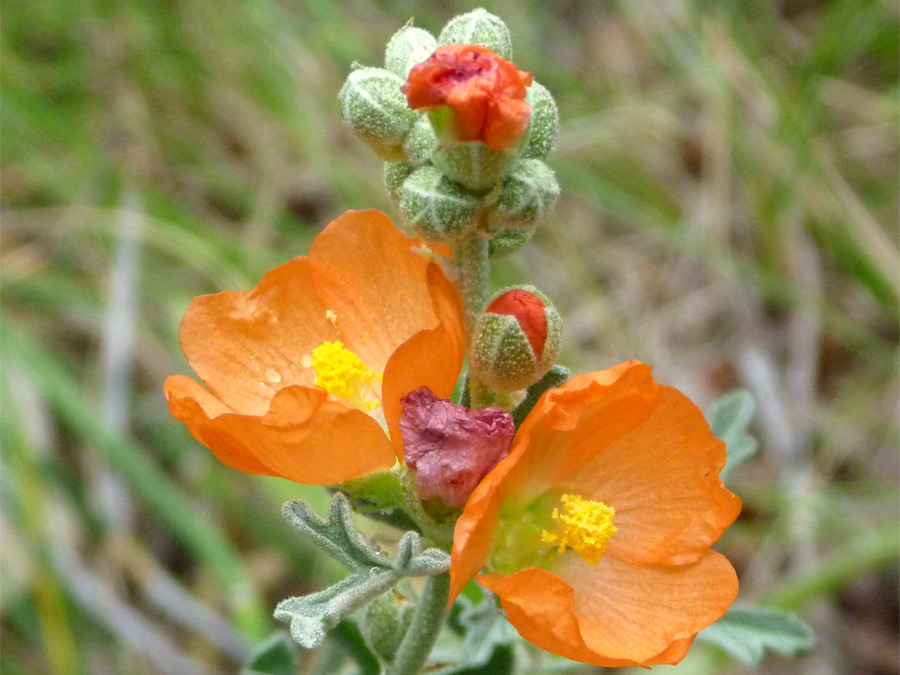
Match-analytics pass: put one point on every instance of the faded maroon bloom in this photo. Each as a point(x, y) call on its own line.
point(485, 91)
point(451, 447)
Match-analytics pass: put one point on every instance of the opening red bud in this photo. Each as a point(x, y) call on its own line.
point(529, 310)
point(515, 341)
point(485, 91)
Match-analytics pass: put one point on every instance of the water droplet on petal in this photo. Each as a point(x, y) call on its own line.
point(273, 375)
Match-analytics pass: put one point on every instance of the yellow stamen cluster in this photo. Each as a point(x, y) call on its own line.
point(342, 373)
point(585, 526)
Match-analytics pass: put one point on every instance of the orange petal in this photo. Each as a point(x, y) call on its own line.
point(549, 445)
point(193, 405)
point(573, 423)
point(613, 613)
point(486, 92)
point(430, 358)
point(672, 654)
point(473, 535)
point(366, 272)
point(662, 478)
point(636, 611)
point(306, 436)
point(506, 122)
point(247, 345)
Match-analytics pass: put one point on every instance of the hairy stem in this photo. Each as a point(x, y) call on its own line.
point(426, 624)
point(471, 254)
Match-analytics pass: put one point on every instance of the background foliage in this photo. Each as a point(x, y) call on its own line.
point(728, 215)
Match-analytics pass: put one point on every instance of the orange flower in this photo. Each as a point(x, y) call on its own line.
point(306, 371)
point(598, 525)
point(485, 91)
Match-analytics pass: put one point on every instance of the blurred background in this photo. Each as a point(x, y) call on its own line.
point(729, 215)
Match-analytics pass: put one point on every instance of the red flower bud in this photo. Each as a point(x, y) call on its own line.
point(485, 91)
point(515, 341)
point(529, 311)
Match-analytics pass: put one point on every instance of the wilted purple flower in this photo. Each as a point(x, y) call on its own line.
point(451, 447)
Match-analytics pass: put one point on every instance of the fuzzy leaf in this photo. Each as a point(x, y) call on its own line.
point(747, 633)
point(312, 616)
point(729, 417)
point(411, 561)
point(374, 572)
point(336, 534)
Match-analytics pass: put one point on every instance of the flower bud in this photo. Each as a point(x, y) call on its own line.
point(372, 102)
point(540, 139)
point(421, 142)
point(478, 27)
point(437, 208)
point(385, 623)
point(472, 164)
point(408, 47)
point(509, 240)
point(395, 173)
point(528, 192)
point(471, 94)
point(516, 340)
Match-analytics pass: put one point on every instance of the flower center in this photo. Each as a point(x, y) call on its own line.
point(342, 373)
point(585, 526)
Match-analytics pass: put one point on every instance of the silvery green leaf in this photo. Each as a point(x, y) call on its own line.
point(729, 417)
point(336, 534)
point(373, 571)
point(747, 633)
point(275, 656)
point(412, 562)
point(312, 616)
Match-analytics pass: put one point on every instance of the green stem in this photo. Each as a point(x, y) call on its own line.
point(426, 624)
point(471, 254)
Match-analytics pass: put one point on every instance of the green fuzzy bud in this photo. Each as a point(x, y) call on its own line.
point(509, 240)
point(371, 101)
point(421, 141)
point(384, 625)
point(478, 27)
point(473, 165)
point(515, 341)
point(528, 192)
point(408, 47)
point(436, 207)
point(394, 175)
point(540, 138)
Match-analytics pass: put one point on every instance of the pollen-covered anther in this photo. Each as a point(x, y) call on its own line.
point(342, 373)
point(584, 525)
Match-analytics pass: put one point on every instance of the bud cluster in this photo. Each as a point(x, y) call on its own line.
point(463, 133)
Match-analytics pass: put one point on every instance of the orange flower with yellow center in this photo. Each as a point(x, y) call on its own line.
point(597, 527)
point(304, 374)
point(485, 92)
